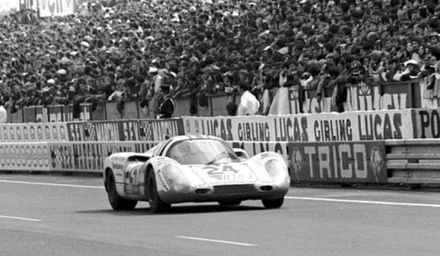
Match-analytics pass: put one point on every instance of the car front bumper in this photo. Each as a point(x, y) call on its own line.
point(224, 192)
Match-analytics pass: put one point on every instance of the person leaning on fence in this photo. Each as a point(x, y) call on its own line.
point(411, 71)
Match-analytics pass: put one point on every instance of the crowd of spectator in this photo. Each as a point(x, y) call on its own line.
point(130, 51)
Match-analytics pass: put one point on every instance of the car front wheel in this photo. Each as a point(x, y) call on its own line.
point(156, 204)
point(116, 201)
point(273, 203)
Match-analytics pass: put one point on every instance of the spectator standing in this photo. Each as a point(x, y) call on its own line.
point(249, 104)
point(411, 71)
point(165, 103)
point(3, 114)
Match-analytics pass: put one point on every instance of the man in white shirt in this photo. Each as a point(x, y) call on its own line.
point(249, 104)
point(3, 114)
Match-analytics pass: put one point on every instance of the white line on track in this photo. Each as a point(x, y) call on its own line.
point(18, 218)
point(215, 241)
point(50, 184)
point(361, 201)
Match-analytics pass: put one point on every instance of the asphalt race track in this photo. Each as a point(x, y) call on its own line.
point(70, 215)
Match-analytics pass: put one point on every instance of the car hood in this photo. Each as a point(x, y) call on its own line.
point(223, 174)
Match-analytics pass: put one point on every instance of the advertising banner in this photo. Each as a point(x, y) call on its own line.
point(429, 96)
point(109, 148)
point(253, 148)
point(350, 126)
point(163, 129)
point(50, 8)
point(93, 131)
point(360, 97)
point(89, 156)
point(363, 162)
point(28, 5)
point(125, 130)
point(24, 156)
point(55, 113)
point(338, 162)
point(33, 132)
point(362, 126)
point(396, 95)
point(311, 104)
point(426, 123)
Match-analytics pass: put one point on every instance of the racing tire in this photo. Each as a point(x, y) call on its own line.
point(230, 202)
point(117, 202)
point(273, 203)
point(156, 204)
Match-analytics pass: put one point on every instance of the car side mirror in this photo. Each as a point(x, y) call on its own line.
point(241, 153)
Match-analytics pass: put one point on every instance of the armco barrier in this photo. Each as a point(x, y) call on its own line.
point(413, 161)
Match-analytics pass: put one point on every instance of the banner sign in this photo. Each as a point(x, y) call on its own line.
point(325, 127)
point(33, 132)
point(396, 95)
point(89, 156)
point(327, 162)
point(125, 130)
point(55, 113)
point(28, 5)
point(311, 104)
point(426, 123)
point(253, 148)
point(338, 162)
point(429, 97)
point(50, 8)
point(24, 156)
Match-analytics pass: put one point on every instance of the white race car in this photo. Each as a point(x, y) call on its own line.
point(194, 169)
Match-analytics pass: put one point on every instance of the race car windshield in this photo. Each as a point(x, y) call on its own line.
point(202, 151)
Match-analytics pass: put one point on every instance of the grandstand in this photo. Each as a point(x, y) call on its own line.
point(211, 47)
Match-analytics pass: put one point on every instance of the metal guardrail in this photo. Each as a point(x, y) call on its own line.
point(413, 161)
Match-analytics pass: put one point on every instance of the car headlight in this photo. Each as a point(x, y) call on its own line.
point(276, 169)
point(175, 178)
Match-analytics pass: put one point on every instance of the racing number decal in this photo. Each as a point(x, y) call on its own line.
point(211, 170)
point(224, 173)
point(132, 180)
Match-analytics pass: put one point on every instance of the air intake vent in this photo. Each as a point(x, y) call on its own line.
point(202, 191)
point(266, 188)
point(233, 189)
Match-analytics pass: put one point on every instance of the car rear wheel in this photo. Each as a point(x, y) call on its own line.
point(230, 202)
point(156, 204)
point(116, 201)
point(273, 203)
